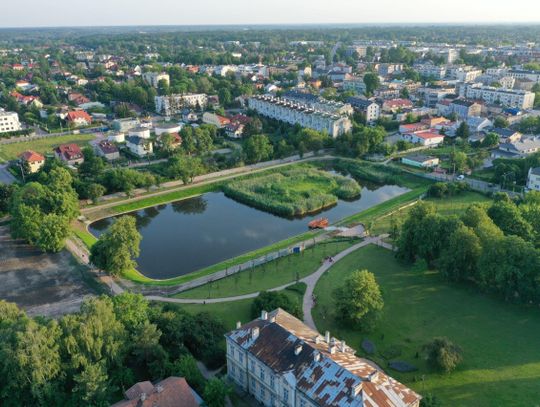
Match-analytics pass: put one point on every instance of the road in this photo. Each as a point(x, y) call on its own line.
point(5, 175)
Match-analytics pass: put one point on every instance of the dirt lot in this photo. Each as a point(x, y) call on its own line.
point(42, 284)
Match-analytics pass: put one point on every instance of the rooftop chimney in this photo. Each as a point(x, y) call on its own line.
point(297, 349)
point(254, 333)
point(143, 396)
point(238, 324)
point(264, 315)
point(332, 349)
point(343, 346)
point(327, 337)
point(159, 388)
point(316, 356)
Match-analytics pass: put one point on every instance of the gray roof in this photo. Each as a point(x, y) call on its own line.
point(535, 171)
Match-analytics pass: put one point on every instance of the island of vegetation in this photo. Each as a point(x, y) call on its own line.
point(293, 192)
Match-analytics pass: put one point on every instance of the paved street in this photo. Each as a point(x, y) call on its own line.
point(5, 175)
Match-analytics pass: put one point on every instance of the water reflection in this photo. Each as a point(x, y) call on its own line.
point(188, 235)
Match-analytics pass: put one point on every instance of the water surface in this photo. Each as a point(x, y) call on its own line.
point(188, 235)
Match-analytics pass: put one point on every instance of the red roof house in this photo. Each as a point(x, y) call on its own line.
point(69, 153)
point(79, 118)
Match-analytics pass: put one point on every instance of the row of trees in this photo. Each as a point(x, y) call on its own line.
point(90, 358)
point(493, 247)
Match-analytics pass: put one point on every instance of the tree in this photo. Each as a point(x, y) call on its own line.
point(463, 131)
point(271, 300)
point(95, 191)
point(491, 140)
point(500, 122)
point(216, 392)
point(508, 217)
point(459, 258)
point(184, 167)
point(257, 148)
point(6, 193)
point(459, 160)
point(372, 82)
point(115, 250)
point(443, 355)
point(359, 301)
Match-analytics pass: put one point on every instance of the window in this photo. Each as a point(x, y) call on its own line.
point(261, 373)
point(253, 366)
point(285, 395)
point(272, 400)
point(253, 383)
point(302, 403)
point(233, 370)
point(263, 393)
point(241, 357)
point(272, 381)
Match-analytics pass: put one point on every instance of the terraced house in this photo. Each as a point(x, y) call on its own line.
point(282, 362)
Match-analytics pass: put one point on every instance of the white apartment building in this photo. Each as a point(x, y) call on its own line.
point(9, 121)
point(173, 104)
point(371, 109)
point(430, 70)
point(467, 75)
point(533, 180)
point(293, 112)
point(356, 84)
point(506, 97)
point(282, 362)
point(524, 74)
point(153, 78)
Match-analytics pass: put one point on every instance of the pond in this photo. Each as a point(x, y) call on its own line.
point(188, 235)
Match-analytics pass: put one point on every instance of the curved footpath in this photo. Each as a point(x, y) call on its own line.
point(310, 281)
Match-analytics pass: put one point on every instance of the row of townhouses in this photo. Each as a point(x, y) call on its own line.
point(305, 115)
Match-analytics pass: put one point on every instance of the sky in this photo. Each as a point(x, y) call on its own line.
point(55, 13)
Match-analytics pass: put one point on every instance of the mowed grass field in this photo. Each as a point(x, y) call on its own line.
point(45, 145)
point(231, 312)
point(272, 274)
point(500, 341)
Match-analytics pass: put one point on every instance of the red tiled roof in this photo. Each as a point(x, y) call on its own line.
point(31, 156)
point(171, 392)
point(69, 151)
point(79, 114)
point(428, 134)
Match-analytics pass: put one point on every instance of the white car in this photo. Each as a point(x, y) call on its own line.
point(460, 177)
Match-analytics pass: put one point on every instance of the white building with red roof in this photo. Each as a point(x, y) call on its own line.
point(79, 118)
point(427, 138)
point(33, 160)
point(69, 153)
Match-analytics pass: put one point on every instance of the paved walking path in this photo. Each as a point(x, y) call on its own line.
point(312, 279)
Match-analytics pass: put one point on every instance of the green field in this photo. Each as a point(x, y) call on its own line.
point(231, 312)
point(270, 275)
point(293, 192)
point(501, 353)
point(455, 205)
point(44, 145)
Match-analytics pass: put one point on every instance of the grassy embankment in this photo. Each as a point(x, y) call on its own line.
point(294, 191)
point(44, 146)
point(501, 363)
point(273, 274)
point(372, 172)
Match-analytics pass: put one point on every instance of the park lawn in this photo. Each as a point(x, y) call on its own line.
point(273, 274)
point(232, 312)
point(45, 145)
point(455, 205)
point(501, 365)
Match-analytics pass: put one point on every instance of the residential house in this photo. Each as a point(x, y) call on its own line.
point(507, 135)
point(79, 118)
point(69, 153)
point(518, 149)
point(171, 127)
point(139, 146)
point(420, 161)
point(78, 98)
point(533, 180)
point(427, 138)
point(395, 105)
point(215, 119)
point(370, 109)
point(171, 392)
point(123, 125)
point(142, 132)
point(33, 160)
point(283, 362)
point(107, 150)
point(412, 127)
point(478, 124)
point(465, 108)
